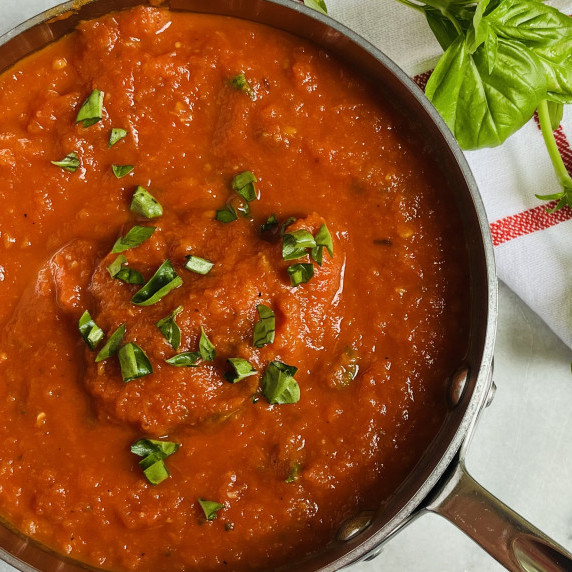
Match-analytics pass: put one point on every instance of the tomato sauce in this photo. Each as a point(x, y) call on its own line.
point(375, 333)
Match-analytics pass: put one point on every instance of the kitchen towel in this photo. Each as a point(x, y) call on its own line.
point(533, 249)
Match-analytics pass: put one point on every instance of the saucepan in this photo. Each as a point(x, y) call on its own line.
point(440, 482)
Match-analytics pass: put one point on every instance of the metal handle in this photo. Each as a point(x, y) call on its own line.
point(506, 536)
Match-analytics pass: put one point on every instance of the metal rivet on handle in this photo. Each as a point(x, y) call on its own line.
point(355, 525)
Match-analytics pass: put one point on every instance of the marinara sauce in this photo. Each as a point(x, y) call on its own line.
point(269, 462)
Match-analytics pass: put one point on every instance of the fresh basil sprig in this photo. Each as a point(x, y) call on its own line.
point(503, 60)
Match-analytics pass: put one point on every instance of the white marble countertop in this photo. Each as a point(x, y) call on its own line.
point(522, 449)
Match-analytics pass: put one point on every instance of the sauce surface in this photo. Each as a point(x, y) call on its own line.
point(374, 333)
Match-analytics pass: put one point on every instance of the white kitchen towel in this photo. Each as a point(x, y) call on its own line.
point(533, 249)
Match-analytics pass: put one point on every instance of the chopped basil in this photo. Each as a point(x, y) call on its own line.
point(318, 5)
point(265, 327)
point(112, 344)
point(323, 240)
point(70, 162)
point(92, 109)
point(115, 136)
point(206, 348)
point(294, 244)
point(145, 204)
point(242, 369)
point(198, 265)
point(154, 453)
point(286, 224)
point(300, 273)
point(169, 328)
point(270, 225)
point(134, 362)
point(128, 275)
point(240, 83)
point(186, 359)
point(122, 170)
point(278, 384)
point(210, 508)
point(294, 473)
point(226, 214)
point(161, 283)
point(135, 237)
point(90, 331)
point(243, 184)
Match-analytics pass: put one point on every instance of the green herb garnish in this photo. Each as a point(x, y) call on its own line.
point(161, 283)
point(278, 384)
point(206, 348)
point(70, 162)
point(122, 170)
point(145, 204)
point(134, 362)
point(318, 5)
point(241, 369)
point(198, 265)
point(210, 508)
point(136, 236)
point(270, 225)
point(154, 454)
point(91, 110)
point(226, 214)
point(169, 328)
point(300, 273)
point(112, 344)
point(240, 83)
point(115, 136)
point(128, 275)
point(294, 473)
point(185, 359)
point(243, 184)
point(323, 240)
point(90, 331)
point(264, 329)
point(294, 244)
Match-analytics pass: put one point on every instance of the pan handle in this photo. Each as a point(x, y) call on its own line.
point(506, 536)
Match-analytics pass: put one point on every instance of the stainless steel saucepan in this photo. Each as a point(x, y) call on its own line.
point(440, 482)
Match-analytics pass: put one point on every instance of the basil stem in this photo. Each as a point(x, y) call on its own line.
point(115, 136)
point(169, 328)
point(91, 110)
point(145, 204)
point(134, 362)
point(210, 508)
point(90, 331)
point(264, 329)
point(136, 236)
point(198, 265)
point(112, 344)
point(70, 162)
point(278, 384)
point(161, 283)
point(241, 369)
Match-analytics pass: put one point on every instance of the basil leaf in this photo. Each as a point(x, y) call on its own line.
point(145, 204)
point(481, 108)
point(112, 344)
point(264, 329)
point(243, 184)
point(135, 237)
point(478, 33)
point(162, 449)
point(169, 328)
point(278, 384)
point(91, 110)
point(294, 244)
point(206, 349)
point(318, 5)
point(156, 472)
point(161, 283)
point(116, 265)
point(130, 276)
point(242, 369)
point(90, 331)
point(121, 170)
point(270, 225)
point(300, 273)
point(210, 508)
point(441, 26)
point(115, 136)
point(240, 83)
point(134, 362)
point(226, 214)
point(198, 265)
point(186, 359)
point(324, 238)
point(286, 224)
point(70, 162)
